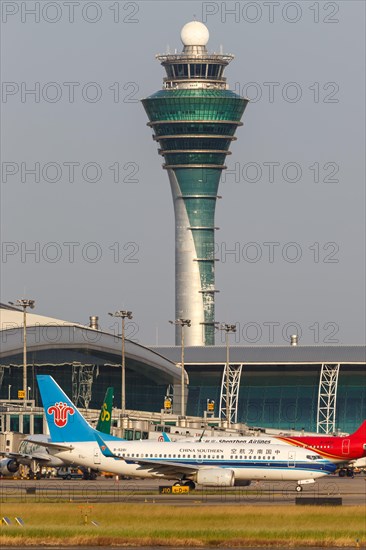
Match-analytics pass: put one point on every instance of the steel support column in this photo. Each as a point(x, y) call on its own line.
point(230, 385)
point(327, 398)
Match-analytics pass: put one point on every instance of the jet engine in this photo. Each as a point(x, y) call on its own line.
point(8, 466)
point(216, 476)
point(242, 483)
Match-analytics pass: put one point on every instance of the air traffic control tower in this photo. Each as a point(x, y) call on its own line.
point(194, 119)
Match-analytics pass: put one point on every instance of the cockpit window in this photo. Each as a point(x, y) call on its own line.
point(313, 457)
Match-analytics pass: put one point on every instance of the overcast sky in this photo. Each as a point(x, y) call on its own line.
point(97, 210)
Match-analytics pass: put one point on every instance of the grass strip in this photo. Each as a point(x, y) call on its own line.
point(197, 525)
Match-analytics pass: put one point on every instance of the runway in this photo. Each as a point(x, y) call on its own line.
point(351, 491)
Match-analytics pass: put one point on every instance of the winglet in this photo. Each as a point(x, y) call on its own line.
point(166, 437)
point(104, 447)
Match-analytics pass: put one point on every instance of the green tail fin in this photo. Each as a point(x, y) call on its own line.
point(105, 417)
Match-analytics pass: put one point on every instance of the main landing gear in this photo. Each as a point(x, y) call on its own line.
point(346, 472)
point(185, 483)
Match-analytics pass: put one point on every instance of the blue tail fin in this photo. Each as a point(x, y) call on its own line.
point(65, 423)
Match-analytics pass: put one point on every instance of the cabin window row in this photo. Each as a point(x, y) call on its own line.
point(194, 456)
point(155, 455)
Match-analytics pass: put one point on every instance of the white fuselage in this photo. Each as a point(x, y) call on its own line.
point(249, 460)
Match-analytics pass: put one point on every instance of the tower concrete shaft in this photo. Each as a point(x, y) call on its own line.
point(194, 119)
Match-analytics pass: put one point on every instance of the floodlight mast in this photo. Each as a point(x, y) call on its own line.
point(123, 314)
point(24, 303)
point(182, 323)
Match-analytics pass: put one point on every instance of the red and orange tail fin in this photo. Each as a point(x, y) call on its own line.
point(360, 433)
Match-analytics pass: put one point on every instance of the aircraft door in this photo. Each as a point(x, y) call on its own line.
point(291, 459)
point(96, 456)
point(345, 446)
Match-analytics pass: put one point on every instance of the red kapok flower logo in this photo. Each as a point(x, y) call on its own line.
point(60, 412)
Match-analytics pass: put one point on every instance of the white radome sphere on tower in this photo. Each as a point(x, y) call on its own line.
point(194, 33)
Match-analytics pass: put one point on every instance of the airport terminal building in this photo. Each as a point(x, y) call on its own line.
point(275, 387)
point(83, 360)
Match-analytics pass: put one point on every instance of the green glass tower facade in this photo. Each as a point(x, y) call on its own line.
point(194, 119)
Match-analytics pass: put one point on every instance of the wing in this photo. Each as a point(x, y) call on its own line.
point(23, 458)
point(157, 467)
point(161, 467)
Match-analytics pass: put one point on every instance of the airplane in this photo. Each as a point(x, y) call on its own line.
point(73, 440)
point(342, 450)
point(33, 454)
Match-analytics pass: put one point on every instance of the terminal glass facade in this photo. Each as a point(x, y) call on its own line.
point(275, 396)
point(281, 396)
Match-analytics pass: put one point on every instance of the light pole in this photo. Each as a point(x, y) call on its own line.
point(24, 303)
point(123, 314)
point(182, 323)
point(227, 328)
point(9, 388)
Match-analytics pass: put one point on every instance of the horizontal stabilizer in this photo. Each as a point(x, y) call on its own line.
point(56, 446)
